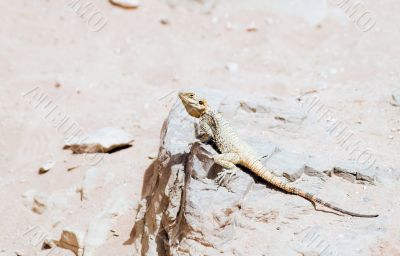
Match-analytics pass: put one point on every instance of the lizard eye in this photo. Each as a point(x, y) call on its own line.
point(201, 102)
point(191, 95)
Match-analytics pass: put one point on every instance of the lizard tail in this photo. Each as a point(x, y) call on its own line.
point(259, 169)
point(322, 202)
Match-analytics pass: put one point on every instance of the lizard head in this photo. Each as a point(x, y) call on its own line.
point(193, 104)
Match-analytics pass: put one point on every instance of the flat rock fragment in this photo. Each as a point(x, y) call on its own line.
point(101, 141)
point(72, 239)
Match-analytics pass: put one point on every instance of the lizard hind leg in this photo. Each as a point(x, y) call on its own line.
point(227, 161)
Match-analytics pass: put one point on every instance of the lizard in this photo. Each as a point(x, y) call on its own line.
point(234, 151)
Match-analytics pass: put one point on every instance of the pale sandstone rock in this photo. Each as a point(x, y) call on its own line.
point(94, 178)
point(40, 202)
point(184, 212)
point(99, 229)
point(117, 204)
point(100, 141)
point(94, 234)
point(97, 233)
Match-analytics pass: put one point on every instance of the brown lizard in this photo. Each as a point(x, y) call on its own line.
point(236, 152)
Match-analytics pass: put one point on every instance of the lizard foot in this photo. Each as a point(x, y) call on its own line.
point(225, 177)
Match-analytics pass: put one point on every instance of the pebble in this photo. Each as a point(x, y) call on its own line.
point(19, 253)
point(126, 4)
point(396, 98)
point(72, 168)
point(46, 167)
point(252, 27)
point(164, 21)
point(39, 204)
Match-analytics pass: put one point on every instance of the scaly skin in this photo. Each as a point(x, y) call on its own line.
point(236, 152)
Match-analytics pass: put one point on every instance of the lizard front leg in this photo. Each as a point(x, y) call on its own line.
point(227, 161)
point(203, 132)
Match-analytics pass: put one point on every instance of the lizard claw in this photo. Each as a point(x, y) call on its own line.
point(225, 177)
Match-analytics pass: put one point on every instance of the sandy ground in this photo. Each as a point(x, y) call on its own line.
point(127, 75)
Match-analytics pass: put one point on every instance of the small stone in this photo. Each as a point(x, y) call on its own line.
point(72, 168)
point(72, 239)
point(252, 27)
point(39, 204)
point(19, 253)
point(232, 67)
point(126, 4)
point(35, 201)
point(48, 244)
point(164, 22)
point(114, 232)
point(46, 167)
point(396, 98)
